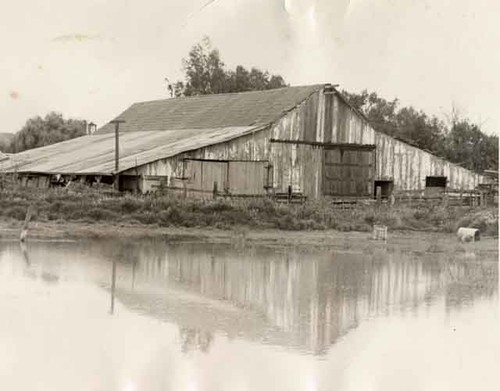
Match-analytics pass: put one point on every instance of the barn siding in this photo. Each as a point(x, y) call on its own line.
point(322, 118)
point(337, 122)
point(408, 166)
point(248, 178)
point(298, 166)
point(252, 147)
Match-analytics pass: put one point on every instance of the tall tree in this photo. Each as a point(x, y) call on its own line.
point(5, 140)
point(205, 73)
point(461, 142)
point(38, 132)
point(467, 145)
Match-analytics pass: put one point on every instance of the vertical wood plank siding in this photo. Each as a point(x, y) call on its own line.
point(322, 118)
point(329, 115)
point(248, 178)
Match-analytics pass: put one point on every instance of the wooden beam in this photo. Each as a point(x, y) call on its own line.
point(351, 146)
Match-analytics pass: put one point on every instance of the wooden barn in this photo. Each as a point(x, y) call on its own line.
point(302, 140)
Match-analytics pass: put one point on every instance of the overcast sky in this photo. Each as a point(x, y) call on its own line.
point(91, 59)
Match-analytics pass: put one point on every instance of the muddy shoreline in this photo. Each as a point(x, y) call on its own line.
point(401, 240)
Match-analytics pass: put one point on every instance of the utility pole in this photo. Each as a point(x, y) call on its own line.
point(92, 127)
point(170, 88)
point(117, 123)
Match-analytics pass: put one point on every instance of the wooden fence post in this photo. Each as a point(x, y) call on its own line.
point(215, 190)
point(392, 200)
point(378, 194)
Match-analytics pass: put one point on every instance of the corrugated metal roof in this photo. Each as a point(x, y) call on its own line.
point(212, 111)
point(95, 154)
point(161, 129)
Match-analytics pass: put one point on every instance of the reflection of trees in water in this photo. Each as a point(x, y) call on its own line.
point(195, 339)
point(311, 298)
point(468, 279)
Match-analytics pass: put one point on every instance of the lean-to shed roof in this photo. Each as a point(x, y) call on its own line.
point(95, 154)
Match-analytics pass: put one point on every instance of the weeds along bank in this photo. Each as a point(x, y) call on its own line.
point(87, 205)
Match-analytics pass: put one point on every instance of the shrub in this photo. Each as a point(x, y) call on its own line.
point(130, 205)
point(99, 214)
point(15, 212)
point(216, 206)
point(145, 217)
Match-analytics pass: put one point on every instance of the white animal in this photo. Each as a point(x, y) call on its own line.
point(468, 234)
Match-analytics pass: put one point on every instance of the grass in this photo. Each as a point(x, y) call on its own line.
point(83, 204)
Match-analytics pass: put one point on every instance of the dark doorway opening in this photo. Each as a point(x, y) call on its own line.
point(129, 183)
point(435, 186)
point(386, 188)
point(435, 181)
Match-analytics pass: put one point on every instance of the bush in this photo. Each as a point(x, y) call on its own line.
point(216, 206)
point(484, 220)
point(98, 214)
point(131, 205)
point(15, 212)
point(145, 217)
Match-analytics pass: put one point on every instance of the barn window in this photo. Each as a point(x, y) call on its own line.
point(435, 186)
point(435, 181)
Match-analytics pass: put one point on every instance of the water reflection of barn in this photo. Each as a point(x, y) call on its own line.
point(304, 140)
point(294, 299)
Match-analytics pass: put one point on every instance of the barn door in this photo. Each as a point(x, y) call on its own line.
point(348, 172)
point(248, 177)
point(203, 174)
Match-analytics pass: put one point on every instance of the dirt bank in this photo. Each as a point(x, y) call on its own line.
point(358, 241)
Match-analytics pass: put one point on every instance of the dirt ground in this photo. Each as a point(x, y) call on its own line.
point(361, 241)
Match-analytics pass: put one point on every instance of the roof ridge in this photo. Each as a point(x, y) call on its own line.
point(214, 110)
point(202, 96)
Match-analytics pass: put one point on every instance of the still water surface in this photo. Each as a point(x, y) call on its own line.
point(191, 316)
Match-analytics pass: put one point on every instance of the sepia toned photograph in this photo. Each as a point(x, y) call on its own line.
point(237, 195)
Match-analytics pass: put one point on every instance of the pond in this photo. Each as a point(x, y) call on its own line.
point(149, 315)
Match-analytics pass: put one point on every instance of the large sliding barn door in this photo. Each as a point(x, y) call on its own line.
point(348, 172)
